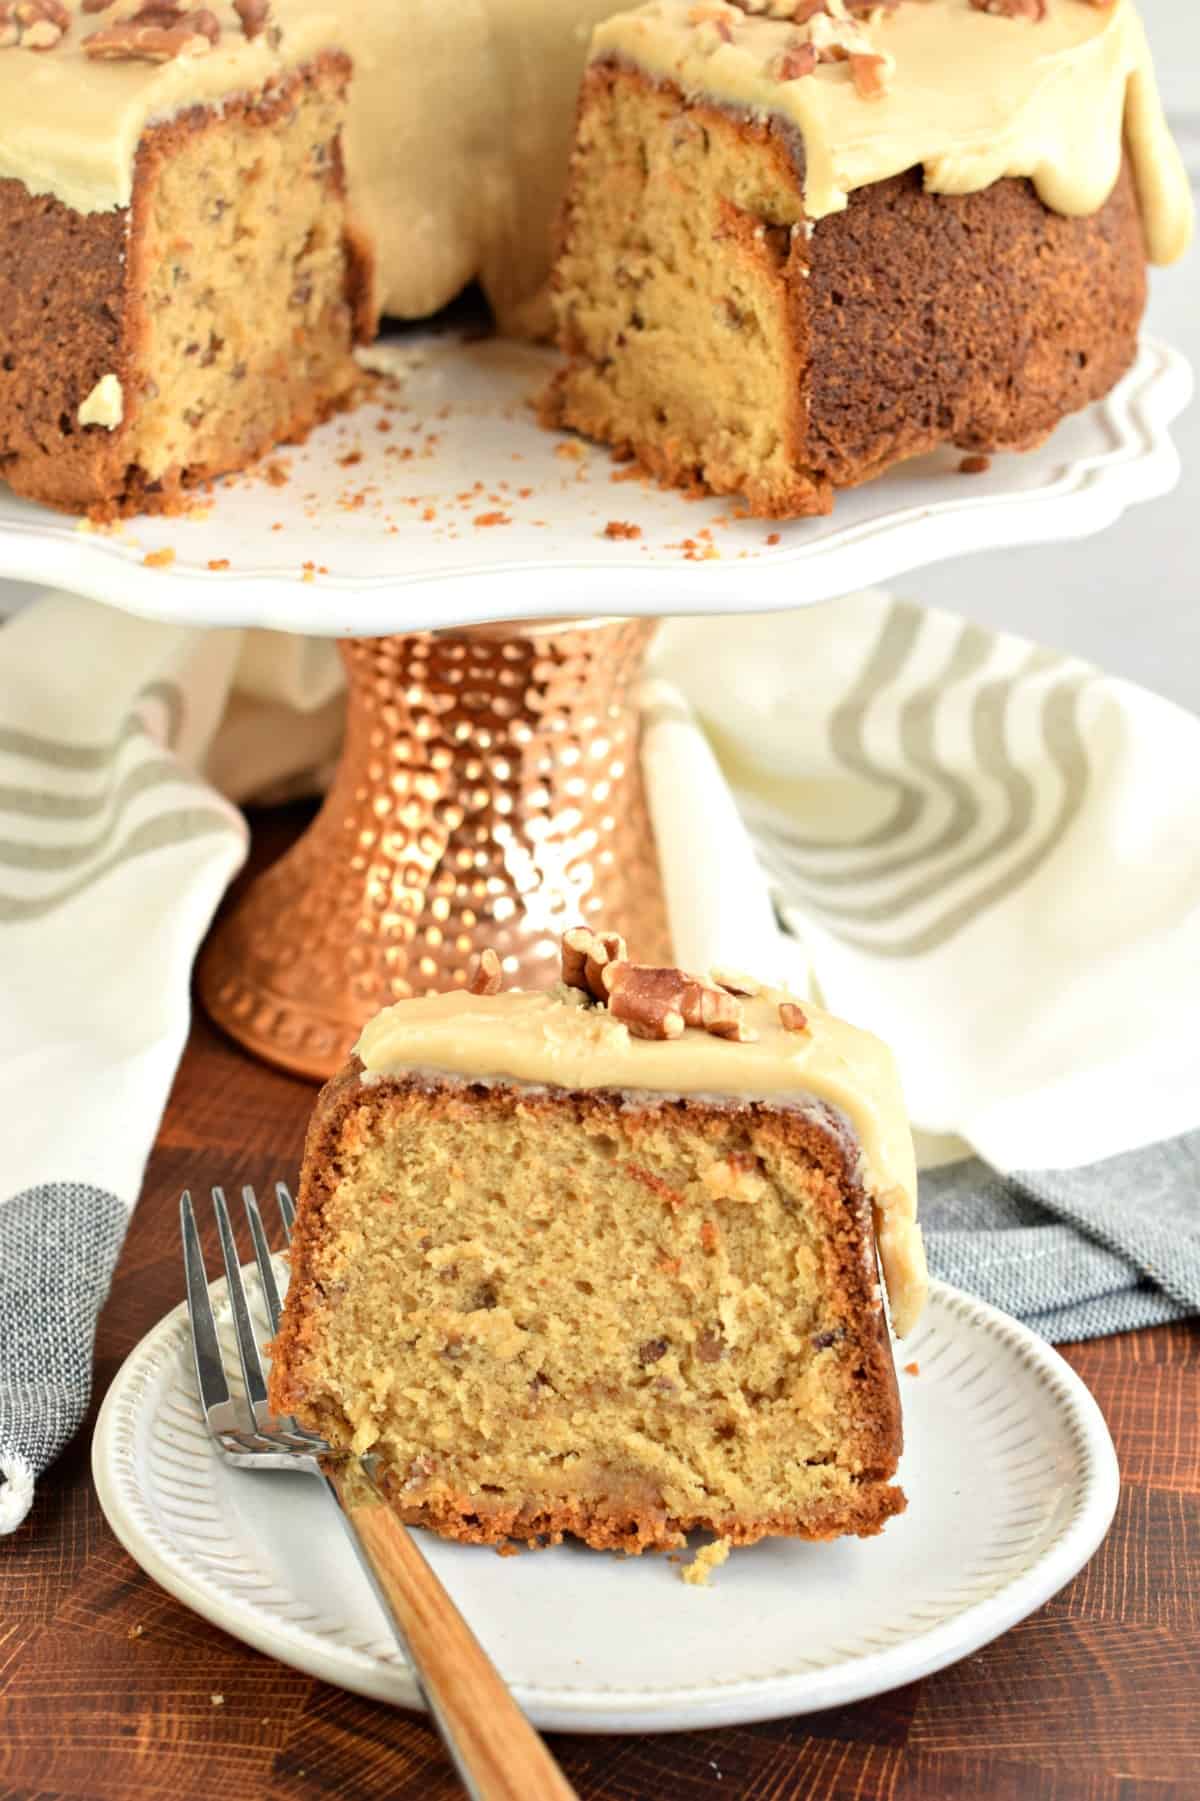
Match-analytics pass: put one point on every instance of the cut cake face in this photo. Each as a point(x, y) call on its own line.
point(803, 242)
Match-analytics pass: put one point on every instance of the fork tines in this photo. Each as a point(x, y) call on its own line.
point(227, 1420)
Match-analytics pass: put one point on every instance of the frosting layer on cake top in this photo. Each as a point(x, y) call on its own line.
point(557, 1039)
point(971, 95)
point(458, 129)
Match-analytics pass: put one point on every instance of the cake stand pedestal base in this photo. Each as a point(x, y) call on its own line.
point(489, 794)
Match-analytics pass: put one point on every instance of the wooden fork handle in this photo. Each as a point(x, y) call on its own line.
point(497, 1753)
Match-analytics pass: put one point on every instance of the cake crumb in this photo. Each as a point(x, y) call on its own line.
point(912, 1369)
point(621, 528)
point(218, 1700)
point(489, 519)
point(135, 1631)
point(773, 538)
point(159, 559)
point(975, 465)
point(277, 473)
point(218, 562)
point(698, 1573)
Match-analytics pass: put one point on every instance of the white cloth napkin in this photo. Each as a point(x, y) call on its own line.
point(988, 854)
point(990, 851)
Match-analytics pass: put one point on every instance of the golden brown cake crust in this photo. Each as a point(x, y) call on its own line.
point(72, 311)
point(349, 1112)
point(911, 320)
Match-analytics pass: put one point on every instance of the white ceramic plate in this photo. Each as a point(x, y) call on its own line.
point(1011, 1479)
point(387, 520)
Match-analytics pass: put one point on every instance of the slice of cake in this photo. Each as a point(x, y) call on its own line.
point(180, 284)
point(605, 1261)
point(805, 239)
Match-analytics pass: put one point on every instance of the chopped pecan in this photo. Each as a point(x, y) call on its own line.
point(32, 24)
point(140, 40)
point(653, 1003)
point(652, 1351)
point(734, 982)
point(585, 955)
point(649, 1001)
point(800, 12)
point(795, 64)
point(792, 1018)
point(253, 15)
point(710, 1346)
point(870, 73)
point(486, 977)
point(419, 1471)
point(1013, 9)
point(721, 1014)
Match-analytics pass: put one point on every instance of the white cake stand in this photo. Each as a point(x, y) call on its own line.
point(490, 791)
point(462, 511)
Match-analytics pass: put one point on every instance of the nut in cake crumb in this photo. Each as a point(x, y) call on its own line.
point(105, 405)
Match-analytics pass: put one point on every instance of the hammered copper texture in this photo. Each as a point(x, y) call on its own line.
point(489, 793)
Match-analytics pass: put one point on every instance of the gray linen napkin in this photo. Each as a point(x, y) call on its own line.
point(1076, 1253)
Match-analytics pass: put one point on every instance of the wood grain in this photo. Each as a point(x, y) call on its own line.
point(107, 1684)
point(488, 1737)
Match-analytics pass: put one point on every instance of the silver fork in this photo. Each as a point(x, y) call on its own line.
point(497, 1753)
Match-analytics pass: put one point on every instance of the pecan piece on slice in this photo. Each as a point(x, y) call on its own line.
point(191, 34)
point(721, 1014)
point(486, 977)
point(795, 64)
point(1013, 9)
point(253, 15)
point(33, 24)
point(792, 1018)
point(586, 955)
point(649, 1001)
point(734, 982)
point(870, 74)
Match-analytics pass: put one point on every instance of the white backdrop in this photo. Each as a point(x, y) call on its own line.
point(1130, 599)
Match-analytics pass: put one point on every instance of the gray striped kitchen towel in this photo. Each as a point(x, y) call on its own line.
point(116, 844)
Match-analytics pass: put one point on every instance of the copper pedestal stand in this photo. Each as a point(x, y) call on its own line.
point(489, 793)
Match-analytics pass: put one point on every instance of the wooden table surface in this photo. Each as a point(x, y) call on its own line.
point(1095, 1698)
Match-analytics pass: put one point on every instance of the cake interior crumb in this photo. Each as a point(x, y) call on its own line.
point(626, 1323)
